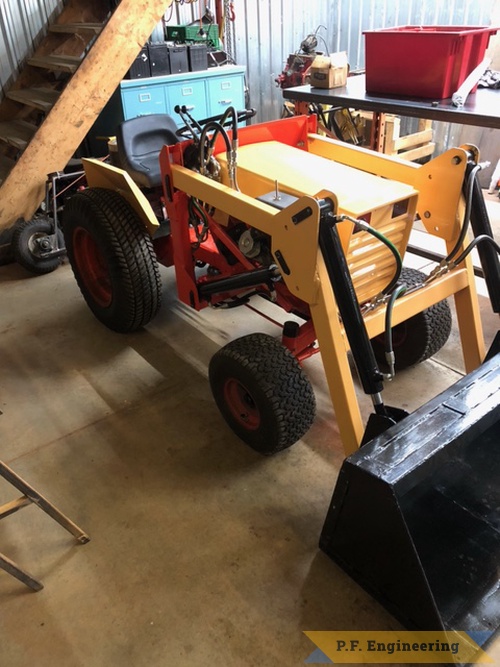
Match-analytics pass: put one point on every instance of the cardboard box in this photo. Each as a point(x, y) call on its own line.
point(329, 71)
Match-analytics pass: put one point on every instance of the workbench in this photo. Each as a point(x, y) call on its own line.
point(481, 108)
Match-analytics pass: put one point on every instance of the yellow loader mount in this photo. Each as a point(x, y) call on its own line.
point(321, 228)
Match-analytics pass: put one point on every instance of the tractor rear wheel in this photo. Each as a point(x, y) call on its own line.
point(420, 336)
point(113, 259)
point(262, 392)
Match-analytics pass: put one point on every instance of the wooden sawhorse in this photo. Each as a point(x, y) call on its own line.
point(31, 496)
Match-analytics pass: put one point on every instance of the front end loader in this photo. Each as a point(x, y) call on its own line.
point(320, 228)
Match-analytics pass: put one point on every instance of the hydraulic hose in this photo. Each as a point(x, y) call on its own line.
point(479, 239)
point(231, 111)
point(216, 128)
point(233, 154)
point(389, 350)
point(469, 188)
point(374, 232)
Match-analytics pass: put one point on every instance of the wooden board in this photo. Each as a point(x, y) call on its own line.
point(17, 133)
point(56, 63)
point(76, 28)
point(38, 98)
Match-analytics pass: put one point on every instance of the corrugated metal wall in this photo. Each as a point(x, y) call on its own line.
point(22, 24)
point(268, 30)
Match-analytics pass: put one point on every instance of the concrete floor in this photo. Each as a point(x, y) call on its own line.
point(202, 552)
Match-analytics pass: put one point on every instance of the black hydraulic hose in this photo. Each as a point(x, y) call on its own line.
point(483, 238)
point(488, 256)
point(216, 128)
point(232, 155)
point(469, 188)
point(231, 111)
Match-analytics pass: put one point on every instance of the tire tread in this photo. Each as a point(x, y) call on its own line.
point(129, 252)
point(282, 380)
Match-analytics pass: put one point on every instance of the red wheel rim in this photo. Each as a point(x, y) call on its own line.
point(242, 405)
point(92, 267)
point(399, 335)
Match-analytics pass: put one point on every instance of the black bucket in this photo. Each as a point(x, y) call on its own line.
point(415, 515)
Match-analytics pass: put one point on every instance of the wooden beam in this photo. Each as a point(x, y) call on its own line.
point(77, 108)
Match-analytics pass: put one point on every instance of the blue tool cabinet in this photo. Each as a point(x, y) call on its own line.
point(205, 93)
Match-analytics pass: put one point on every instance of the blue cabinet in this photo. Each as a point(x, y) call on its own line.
point(191, 94)
point(223, 92)
point(143, 101)
point(204, 93)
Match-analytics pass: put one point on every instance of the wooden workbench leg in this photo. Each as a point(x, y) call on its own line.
point(377, 132)
point(301, 108)
point(13, 569)
point(336, 364)
point(35, 497)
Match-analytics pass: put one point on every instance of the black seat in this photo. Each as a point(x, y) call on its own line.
point(139, 142)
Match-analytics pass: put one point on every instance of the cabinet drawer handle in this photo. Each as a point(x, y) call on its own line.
point(145, 97)
point(225, 101)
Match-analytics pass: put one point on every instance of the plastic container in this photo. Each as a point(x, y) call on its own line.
point(423, 61)
point(194, 33)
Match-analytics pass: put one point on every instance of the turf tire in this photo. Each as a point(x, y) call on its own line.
point(422, 335)
point(113, 259)
point(262, 392)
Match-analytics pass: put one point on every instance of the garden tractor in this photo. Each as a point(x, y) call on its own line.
point(320, 228)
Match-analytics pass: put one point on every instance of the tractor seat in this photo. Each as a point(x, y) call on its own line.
point(139, 142)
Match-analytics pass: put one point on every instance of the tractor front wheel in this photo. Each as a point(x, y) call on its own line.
point(262, 392)
point(113, 259)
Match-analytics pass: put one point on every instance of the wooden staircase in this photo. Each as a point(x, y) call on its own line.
point(60, 92)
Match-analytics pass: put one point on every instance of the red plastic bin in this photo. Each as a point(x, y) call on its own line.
point(423, 61)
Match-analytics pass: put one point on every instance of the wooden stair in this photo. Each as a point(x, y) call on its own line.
point(37, 98)
point(76, 28)
point(56, 63)
point(17, 133)
point(60, 92)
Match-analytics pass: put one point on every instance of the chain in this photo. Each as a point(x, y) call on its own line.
point(229, 37)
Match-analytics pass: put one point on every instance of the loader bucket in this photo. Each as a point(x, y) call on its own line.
point(415, 514)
